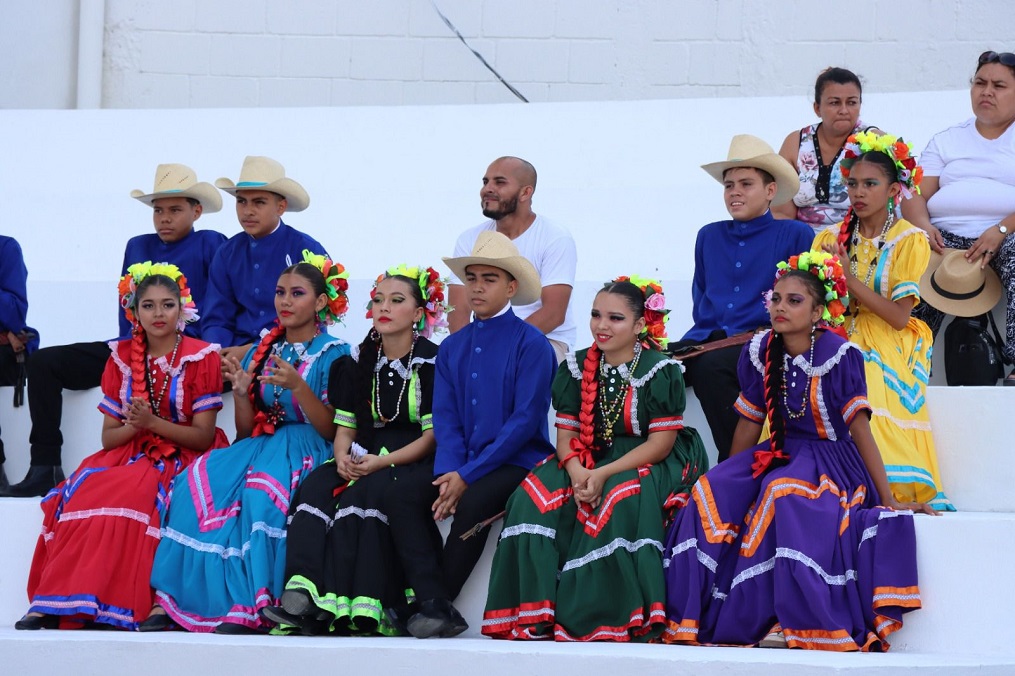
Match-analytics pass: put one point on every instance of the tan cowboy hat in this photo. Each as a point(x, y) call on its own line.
point(496, 250)
point(179, 180)
point(955, 286)
point(751, 151)
point(264, 173)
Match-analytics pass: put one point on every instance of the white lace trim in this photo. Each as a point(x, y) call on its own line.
point(639, 382)
point(800, 557)
point(608, 550)
point(635, 425)
point(922, 425)
point(528, 529)
point(224, 552)
point(800, 361)
point(823, 412)
point(398, 367)
point(362, 513)
point(572, 366)
point(312, 511)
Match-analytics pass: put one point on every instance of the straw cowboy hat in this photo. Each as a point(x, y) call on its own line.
point(751, 151)
point(496, 250)
point(264, 173)
point(955, 286)
point(179, 180)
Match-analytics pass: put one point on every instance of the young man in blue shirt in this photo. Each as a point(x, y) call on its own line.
point(734, 264)
point(241, 287)
point(491, 397)
point(177, 201)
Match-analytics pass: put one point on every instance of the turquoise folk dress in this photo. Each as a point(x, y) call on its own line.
point(222, 554)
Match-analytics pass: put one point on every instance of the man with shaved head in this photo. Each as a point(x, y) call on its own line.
point(506, 199)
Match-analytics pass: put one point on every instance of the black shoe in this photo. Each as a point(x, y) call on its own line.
point(297, 602)
point(33, 622)
point(39, 481)
point(4, 483)
point(235, 629)
point(398, 616)
point(158, 622)
point(278, 615)
point(436, 617)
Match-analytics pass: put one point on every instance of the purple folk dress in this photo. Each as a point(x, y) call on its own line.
point(803, 547)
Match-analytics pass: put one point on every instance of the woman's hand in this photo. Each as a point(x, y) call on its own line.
point(367, 464)
point(986, 246)
point(282, 373)
point(344, 466)
point(139, 414)
point(591, 492)
point(916, 507)
point(234, 372)
point(937, 242)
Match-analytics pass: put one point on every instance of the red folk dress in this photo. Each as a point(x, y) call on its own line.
point(101, 526)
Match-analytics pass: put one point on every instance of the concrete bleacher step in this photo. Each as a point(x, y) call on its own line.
point(966, 603)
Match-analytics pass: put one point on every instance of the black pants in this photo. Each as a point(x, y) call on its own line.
point(52, 370)
point(433, 569)
point(8, 376)
point(713, 375)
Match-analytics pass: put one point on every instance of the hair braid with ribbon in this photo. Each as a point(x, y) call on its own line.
point(774, 357)
point(258, 360)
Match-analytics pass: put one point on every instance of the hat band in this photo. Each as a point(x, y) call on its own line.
point(956, 296)
point(251, 184)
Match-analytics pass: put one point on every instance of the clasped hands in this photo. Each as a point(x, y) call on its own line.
point(587, 484)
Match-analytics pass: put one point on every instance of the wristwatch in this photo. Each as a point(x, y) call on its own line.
point(1004, 230)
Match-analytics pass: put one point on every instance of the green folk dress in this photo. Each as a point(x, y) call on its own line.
point(573, 573)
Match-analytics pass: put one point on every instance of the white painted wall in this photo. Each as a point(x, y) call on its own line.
point(261, 53)
point(395, 184)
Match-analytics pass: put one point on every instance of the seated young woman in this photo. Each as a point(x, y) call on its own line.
point(798, 534)
point(592, 517)
point(223, 545)
point(162, 392)
point(888, 255)
point(342, 571)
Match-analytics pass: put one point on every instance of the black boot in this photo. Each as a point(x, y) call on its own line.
point(39, 480)
point(4, 483)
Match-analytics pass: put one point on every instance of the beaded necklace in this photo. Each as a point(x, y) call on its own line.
point(611, 411)
point(796, 415)
point(872, 264)
point(156, 402)
point(276, 412)
point(377, 386)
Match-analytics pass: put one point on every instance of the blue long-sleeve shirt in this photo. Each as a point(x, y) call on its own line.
point(193, 255)
point(734, 264)
point(241, 284)
point(14, 290)
point(491, 397)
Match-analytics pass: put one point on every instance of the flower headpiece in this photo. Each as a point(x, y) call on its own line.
point(137, 272)
point(656, 314)
point(431, 286)
point(828, 270)
point(336, 283)
point(910, 173)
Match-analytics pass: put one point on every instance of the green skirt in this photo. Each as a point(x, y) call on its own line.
point(572, 573)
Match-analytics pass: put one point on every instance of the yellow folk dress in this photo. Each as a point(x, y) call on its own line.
point(897, 363)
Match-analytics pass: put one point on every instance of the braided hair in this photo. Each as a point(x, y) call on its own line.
point(277, 332)
point(139, 338)
point(851, 220)
point(775, 356)
point(366, 362)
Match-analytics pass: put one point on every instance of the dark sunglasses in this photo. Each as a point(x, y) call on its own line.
point(1004, 58)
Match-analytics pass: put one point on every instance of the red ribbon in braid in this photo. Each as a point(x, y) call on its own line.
point(151, 444)
point(261, 354)
point(763, 459)
point(584, 444)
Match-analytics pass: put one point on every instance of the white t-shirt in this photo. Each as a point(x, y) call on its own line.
point(551, 249)
point(977, 177)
